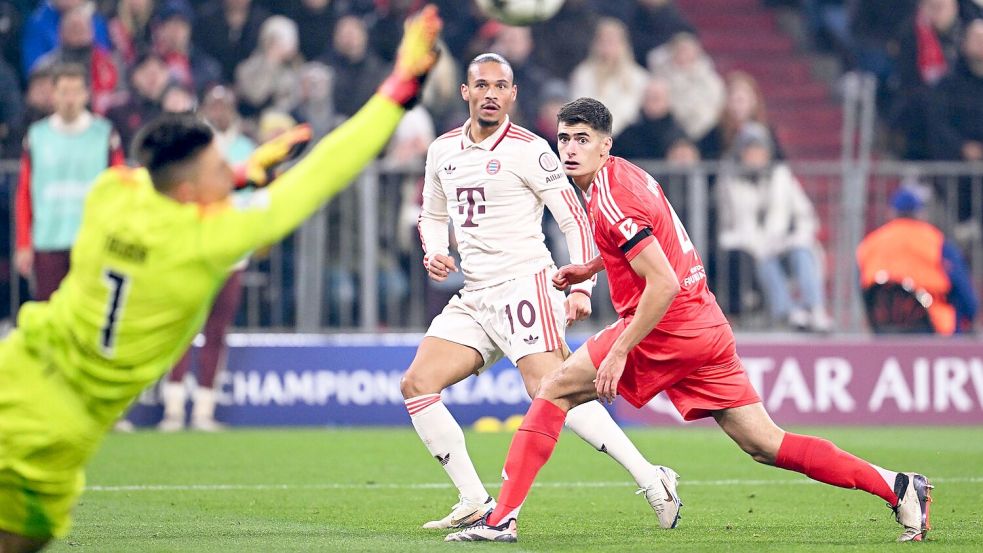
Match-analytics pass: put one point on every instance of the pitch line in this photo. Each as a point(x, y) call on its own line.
point(444, 485)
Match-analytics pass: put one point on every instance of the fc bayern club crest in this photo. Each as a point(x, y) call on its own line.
point(493, 166)
point(548, 162)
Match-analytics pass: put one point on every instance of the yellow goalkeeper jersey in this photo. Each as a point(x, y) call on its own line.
point(145, 268)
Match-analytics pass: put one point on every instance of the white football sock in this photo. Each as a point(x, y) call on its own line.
point(445, 441)
point(174, 396)
point(204, 406)
point(887, 475)
point(592, 422)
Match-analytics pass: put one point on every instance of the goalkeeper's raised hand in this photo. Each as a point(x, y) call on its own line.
point(415, 57)
point(261, 166)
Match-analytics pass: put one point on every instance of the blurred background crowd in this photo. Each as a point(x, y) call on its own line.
point(755, 84)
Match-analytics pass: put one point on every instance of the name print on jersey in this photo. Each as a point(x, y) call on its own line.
point(471, 196)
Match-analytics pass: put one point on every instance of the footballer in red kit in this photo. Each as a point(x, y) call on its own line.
point(670, 336)
point(628, 213)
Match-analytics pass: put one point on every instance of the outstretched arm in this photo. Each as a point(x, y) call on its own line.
point(328, 169)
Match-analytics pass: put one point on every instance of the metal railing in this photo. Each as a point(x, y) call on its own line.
point(356, 264)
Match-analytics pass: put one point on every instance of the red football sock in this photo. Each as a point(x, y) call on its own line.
point(531, 447)
point(820, 460)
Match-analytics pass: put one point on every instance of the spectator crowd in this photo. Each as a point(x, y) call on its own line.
point(928, 59)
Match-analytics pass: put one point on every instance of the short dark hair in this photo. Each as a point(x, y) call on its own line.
point(488, 57)
point(588, 111)
point(167, 144)
point(70, 71)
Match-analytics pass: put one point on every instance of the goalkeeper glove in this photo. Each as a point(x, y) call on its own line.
point(415, 57)
point(261, 166)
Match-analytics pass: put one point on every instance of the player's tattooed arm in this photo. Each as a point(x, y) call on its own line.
point(576, 273)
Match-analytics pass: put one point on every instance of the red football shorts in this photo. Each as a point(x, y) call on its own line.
point(698, 369)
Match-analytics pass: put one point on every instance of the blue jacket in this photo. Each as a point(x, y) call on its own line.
point(41, 34)
point(962, 296)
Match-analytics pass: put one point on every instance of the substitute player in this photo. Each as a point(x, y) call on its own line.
point(492, 179)
point(671, 336)
point(154, 247)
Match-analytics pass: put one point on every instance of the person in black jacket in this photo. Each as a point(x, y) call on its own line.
point(956, 120)
point(148, 80)
point(229, 31)
point(928, 50)
point(357, 69)
point(656, 131)
point(957, 130)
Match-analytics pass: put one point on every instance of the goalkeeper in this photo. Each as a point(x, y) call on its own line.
point(153, 249)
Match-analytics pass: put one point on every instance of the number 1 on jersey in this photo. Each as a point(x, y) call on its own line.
point(118, 286)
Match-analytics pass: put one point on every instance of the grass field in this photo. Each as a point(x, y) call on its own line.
point(369, 490)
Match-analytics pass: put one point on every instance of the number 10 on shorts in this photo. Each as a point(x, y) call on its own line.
point(525, 314)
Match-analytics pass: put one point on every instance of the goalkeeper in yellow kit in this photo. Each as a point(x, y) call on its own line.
point(154, 247)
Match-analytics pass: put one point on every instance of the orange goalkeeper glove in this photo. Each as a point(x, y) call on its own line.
point(260, 168)
point(415, 57)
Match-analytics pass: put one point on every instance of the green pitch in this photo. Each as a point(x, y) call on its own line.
point(369, 490)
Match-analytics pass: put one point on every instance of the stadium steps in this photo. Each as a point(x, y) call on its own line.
point(743, 34)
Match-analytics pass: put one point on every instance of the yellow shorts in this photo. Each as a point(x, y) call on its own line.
point(46, 436)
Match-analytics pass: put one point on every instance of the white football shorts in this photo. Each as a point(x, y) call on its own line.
point(516, 318)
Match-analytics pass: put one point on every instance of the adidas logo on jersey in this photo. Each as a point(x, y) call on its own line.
point(449, 169)
point(443, 460)
point(531, 339)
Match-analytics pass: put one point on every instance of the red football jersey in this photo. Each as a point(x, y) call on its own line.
point(628, 211)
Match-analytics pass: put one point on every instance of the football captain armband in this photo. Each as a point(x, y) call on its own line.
point(641, 237)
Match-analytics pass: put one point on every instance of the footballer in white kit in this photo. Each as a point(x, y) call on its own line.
point(494, 192)
point(491, 179)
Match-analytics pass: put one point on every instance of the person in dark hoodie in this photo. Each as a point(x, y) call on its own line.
point(357, 68)
point(958, 128)
point(656, 131)
point(929, 48)
point(148, 79)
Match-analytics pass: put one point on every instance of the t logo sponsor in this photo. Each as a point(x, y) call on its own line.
point(471, 195)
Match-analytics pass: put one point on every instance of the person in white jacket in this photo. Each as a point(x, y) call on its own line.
point(697, 90)
point(765, 212)
point(610, 74)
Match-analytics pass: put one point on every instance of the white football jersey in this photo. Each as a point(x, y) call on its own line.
point(494, 192)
